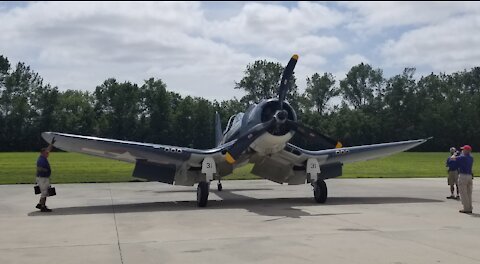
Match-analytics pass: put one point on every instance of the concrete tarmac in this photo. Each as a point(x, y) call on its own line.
point(364, 221)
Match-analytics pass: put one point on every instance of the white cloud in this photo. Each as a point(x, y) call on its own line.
point(80, 45)
point(316, 45)
point(354, 59)
point(266, 21)
point(448, 46)
point(198, 51)
point(372, 17)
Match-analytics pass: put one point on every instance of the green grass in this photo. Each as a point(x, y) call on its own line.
point(404, 165)
point(19, 167)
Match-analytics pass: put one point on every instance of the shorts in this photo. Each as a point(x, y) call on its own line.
point(44, 184)
point(453, 177)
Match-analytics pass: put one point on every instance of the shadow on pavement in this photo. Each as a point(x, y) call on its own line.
point(281, 207)
point(212, 189)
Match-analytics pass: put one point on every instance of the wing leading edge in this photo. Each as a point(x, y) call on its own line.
point(352, 154)
point(130, 151)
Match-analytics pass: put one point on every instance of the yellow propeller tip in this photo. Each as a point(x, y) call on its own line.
point(295, 57)
point(229, 158)
point(339, 145)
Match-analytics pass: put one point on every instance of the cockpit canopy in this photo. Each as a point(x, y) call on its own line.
point(233, 120)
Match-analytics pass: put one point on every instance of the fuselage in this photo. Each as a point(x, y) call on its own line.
point(269, 143)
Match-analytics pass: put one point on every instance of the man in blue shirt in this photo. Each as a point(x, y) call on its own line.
point(452, 174)
point(465, 182)
point(43, 176)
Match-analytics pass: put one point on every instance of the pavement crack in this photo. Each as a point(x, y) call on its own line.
point(116, 227)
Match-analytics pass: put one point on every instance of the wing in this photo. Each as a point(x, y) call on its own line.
point(291, 164)
point(152, 156)
point(351, 154)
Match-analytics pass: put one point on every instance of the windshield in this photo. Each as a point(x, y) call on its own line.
point(233, 120)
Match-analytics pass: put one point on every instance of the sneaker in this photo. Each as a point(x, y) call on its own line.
point(458, 197)
point(39, 206)
point(451, 197)
point(465, 212)
point(45, 209)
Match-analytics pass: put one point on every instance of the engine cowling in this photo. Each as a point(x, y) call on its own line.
point(272, 109)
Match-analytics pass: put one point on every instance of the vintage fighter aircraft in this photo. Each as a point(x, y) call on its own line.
point(259, 136)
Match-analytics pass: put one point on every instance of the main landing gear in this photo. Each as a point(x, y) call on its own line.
point(202, 193)
point(208, 169)
point(203, 189)
point(320, 191)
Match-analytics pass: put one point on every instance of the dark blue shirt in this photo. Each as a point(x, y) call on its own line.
point(43, 167)
point(464, 163)
point(451, 164)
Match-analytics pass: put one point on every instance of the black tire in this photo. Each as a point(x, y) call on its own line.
point(219, 187)
point(320, 191)
point(202, 194)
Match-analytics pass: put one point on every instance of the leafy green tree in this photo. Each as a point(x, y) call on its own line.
point(262, 80)
point(4, 66)
point(74, 113)
point(18, 100)
point(117, 106)
point(401, 107)
point(434, 112)
point(184, 123)
point(157, 111)
point(204, 120)
point(320, 89)
point(43, 104)
point(462, 94)
point(373, 110)
point(363, 86)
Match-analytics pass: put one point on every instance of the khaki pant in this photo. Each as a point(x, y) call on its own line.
point(452, 178)
point(44, 184)
point(465, 185)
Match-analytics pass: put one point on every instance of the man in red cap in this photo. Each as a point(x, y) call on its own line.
point(465, 182)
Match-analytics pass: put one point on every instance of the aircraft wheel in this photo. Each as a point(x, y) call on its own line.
point(219, 187)
point(320, 191)
point(202, 194)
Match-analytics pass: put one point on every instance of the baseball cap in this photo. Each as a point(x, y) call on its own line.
point(466, 147)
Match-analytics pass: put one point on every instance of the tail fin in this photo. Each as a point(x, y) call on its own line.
point(218, 129)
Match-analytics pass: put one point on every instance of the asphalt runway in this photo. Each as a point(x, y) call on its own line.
point(364, 221)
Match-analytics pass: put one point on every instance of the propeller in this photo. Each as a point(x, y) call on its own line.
point(313, 135)
point(287, 74)
point(280, 118)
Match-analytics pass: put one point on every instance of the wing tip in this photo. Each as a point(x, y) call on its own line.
point(47, 136)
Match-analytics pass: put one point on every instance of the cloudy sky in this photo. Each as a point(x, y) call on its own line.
point(202, 48)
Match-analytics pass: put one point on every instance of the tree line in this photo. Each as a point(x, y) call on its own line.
point(364, 107)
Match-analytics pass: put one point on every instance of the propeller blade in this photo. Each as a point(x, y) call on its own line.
point(244, 141)
point(311, 134)
point(287, 74)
